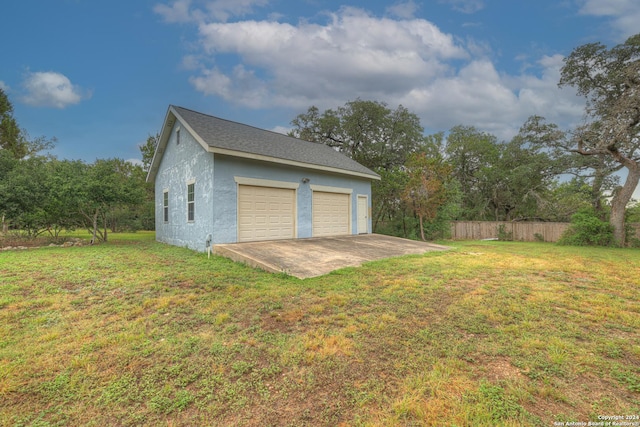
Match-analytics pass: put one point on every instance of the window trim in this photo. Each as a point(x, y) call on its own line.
point(165, 206)
point(191, 204)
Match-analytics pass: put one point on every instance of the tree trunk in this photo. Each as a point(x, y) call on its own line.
point(421, 229)
point(619, 203)
point(104, 222)
point(95, 226)
point(596, 193)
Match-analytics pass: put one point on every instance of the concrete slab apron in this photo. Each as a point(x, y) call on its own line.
point(304, 258)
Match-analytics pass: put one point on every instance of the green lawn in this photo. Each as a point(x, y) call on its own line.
point(492, 333)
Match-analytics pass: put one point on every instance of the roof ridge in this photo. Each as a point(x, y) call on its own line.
point(246, 125)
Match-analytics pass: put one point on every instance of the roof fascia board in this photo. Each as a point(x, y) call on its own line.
point(165, 132)
point(264, 158)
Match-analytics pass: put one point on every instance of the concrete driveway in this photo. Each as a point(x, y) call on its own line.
point(304, 258)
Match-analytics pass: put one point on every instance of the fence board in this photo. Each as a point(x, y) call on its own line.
point(522, 231)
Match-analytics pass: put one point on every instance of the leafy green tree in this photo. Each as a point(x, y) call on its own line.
point(148, 150)
point(63, 204)
point(598, 170)
point(524, 173)
point(24, 194)
point(610, 81)
point(107, 185)
point(388, 206)
point(367, 131)
point(426, 190)
point(11, 137)
point(14, 139)
point(473, 154)
point(563, 199)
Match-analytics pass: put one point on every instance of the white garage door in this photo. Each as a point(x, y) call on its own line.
point(330, 213)
point(265, 213)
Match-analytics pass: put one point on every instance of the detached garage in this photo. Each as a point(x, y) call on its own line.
point(219, 181)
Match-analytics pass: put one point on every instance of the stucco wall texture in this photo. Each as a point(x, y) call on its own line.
point(216, 192)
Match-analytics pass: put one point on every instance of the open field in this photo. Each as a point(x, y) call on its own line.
point(491, 333)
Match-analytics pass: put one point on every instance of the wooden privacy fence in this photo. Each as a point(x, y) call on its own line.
point(523, 231)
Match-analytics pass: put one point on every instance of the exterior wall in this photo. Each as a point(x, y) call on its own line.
point(225, 208)
point(181, 164)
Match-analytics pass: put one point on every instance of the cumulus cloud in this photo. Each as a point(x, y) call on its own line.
point(178, 11)
point(353, 54)
point(624, 14)
point(181, 11)
point(405, 10)
point(51, 89)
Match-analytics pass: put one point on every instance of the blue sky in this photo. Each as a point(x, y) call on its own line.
point(99, 75)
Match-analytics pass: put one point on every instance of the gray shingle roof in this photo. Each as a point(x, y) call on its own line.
point(227, 135)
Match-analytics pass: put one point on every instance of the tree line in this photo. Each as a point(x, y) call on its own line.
point(543, 173)
point(40, 194)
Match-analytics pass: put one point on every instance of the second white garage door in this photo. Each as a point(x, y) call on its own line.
point(265, 213)
point(330, 213)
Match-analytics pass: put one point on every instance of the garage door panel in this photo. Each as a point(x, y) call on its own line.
point(265, 213)
point(330, 213)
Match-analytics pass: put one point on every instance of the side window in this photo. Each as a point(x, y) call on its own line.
point(178, 136)
point(165, 205)
point(191, 201)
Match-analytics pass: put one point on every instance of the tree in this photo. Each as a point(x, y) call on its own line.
point(11, 138)
point(148, 150)
point(610, 81)
point(107, 185)
point(14, 139)
point(599, 170)
point(367, 131)
point(426, 189)
point(472, 155)
point(23, 194)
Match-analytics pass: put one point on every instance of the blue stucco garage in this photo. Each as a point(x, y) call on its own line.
point(218, 181)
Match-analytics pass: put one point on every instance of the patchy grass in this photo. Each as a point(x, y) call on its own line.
point(492, 333)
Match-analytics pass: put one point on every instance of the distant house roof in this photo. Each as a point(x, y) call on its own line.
point(236, 139)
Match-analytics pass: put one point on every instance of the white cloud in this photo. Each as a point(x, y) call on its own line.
point(177, 12)
point(625, 14)
point(282, 129)
point(51, 89)
point(405, 10)
point(465, 6)
point(222, 10)
point(352, 53)
point(181, 11)
point(411, 62)
point(4, 86)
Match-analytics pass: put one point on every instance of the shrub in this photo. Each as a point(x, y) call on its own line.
point(588, 230)
point(503, 234)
